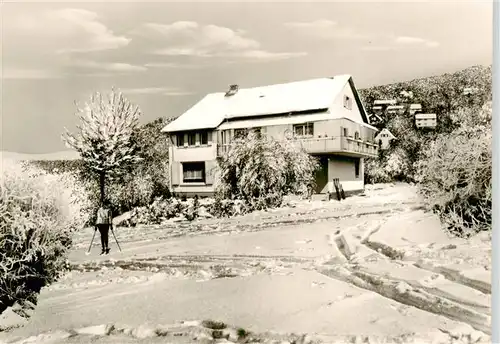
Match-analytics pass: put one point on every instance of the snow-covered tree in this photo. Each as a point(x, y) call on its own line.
point(260, 171)
point(105, 139)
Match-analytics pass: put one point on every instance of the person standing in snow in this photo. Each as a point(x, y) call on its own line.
point(104, 223)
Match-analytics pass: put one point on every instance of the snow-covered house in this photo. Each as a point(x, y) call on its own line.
point(325, 116)
point(384, 138)
point(426, 120)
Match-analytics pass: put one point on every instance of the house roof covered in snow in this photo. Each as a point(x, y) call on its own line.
point(309, 96)
point(425, 116)
point(385, 131)
point(385, 102)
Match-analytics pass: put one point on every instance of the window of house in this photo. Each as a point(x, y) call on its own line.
point(345, 132)
point(356, 168)
point(348, 102)
point(356, 135)
point(193, 172)
point(191, 139)
point(204, 138)
point(180, 140)
point(306, 129)
point(224, 137)
point(240, 133)
point(257, 131)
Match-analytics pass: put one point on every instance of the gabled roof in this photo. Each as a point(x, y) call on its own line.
point(385, 131)
point(294, 97)
point(385, 102)
point(395, 107)
point(425, 116)
point(374, 115)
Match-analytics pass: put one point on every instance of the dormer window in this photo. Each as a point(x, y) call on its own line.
point(347, 102)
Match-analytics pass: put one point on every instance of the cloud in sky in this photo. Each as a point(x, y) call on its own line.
point(262, 55)
point(406, 40)
point(329, 29)
point(401, 42)
point(48, 42)
point(26, 73)
point(72, 29)
point(320, 24)
point(187, 38)
point(166, 65)
point(165, 91)
point(324, 29)
point(109, 66)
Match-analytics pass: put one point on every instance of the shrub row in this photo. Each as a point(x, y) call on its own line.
point(38, 213)
point(165, 209)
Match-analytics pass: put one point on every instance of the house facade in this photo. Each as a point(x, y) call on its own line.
point(426, 120)
point(384, 138)
point(324, 116)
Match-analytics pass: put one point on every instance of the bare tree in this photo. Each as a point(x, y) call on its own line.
point(105, 138)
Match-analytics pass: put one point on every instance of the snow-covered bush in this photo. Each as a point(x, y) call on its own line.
point(375, 172)
point(261, 171)
point(455, 175)
point(397, 165)
point(161, 210)
point(38, 213)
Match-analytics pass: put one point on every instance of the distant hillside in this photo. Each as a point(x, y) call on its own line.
point(62, 155)
point(438, 94)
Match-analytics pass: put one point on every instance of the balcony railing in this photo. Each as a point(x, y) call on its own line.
point(327, 145)
point(359, 146)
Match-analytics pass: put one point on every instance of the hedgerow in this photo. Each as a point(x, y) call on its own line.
point(38, 213)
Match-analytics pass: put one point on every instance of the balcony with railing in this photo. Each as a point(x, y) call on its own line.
point(342, 145)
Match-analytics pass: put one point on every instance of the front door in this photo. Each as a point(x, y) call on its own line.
point(321, 176)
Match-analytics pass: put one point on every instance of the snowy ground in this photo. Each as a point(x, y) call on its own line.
point(374, 267)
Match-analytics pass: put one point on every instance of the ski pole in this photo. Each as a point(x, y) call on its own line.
point(114, 236)
point(92, 241)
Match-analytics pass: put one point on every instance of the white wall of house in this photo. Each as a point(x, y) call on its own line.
point(194, 189)
point(354, 113)
point(384, 137)
point(277, 132)
point(204, 153)
point(195, 153)
point(344, 169)
point(338, 166)
point(385, 141)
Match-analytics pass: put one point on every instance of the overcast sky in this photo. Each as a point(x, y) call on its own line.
point(167, 56)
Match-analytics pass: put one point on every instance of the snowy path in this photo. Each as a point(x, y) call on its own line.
point(373, 266)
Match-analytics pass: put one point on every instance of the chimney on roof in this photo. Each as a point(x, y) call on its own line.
point(233, 89)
